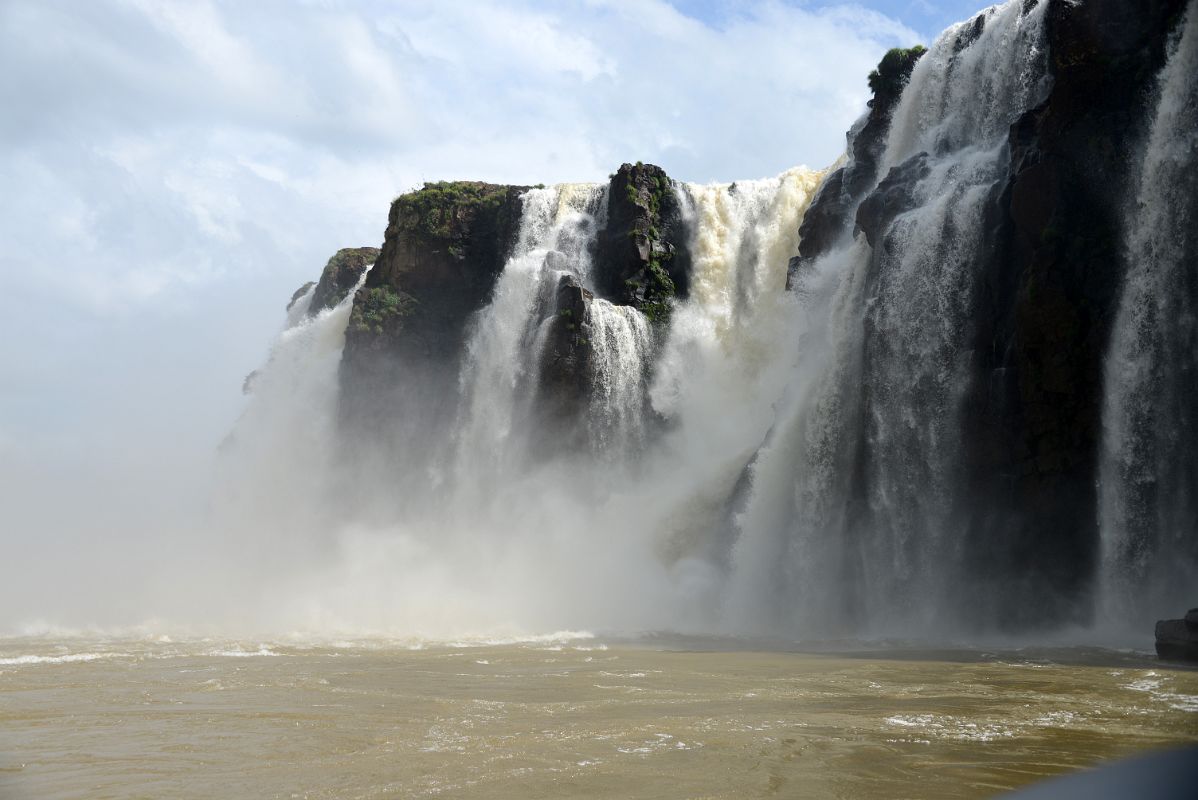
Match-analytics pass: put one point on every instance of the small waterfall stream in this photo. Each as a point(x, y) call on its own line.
point(1150, 467)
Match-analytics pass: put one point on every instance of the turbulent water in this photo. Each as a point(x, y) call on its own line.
point(562, 715)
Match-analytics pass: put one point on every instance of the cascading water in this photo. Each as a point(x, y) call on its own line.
point(495, 372)
point(275, 471)
point(855, 499)
point(1150, 469)
point(621, 342)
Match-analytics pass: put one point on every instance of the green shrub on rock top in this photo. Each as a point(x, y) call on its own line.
point(887, 81)
point(433, 210)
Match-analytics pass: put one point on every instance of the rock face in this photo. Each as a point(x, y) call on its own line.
point(1049, 272)
point(830, 216)
point(340, 276)
point(298, 293)
point(641, 255)
point(444, 247)
point(1177, 639)
point(641, 259)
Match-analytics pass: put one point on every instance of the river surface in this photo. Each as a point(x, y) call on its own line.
point(565, 716)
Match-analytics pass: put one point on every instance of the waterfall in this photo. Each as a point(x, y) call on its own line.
point(725, 337)
point(556, 228)
point(724, 365)
point(853, 517)
point(1149, 486)
point(759, 460)
point(621, 343)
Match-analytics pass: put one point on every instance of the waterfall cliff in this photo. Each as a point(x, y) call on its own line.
point(944, 386)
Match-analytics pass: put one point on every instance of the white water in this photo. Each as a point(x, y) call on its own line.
point(622, 343)
point(1149, 471)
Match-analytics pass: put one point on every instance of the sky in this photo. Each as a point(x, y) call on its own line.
point(174, 169)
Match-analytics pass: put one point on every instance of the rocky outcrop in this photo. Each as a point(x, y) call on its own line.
point(565, 369)
point(641, 256)
point(892, 197)
point(1048, 275)
point(444, 247)
point(444, 250)
point(341, 274)
point(1177, 639)
point(642, 260)
point(831, 216)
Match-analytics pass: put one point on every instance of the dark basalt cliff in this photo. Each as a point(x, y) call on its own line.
point(641, 260)
point(1052, 281)
point(444, 247)
point(831, 214)
point(564, 379)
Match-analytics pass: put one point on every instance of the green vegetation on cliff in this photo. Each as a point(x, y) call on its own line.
point(888, 80)
point(436, 209)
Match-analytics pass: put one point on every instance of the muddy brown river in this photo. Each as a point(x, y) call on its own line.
point(565, 716)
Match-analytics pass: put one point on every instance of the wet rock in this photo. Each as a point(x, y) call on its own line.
point(341, 274)
point(1049, 292)
point(894, 196)
point(641, 256)
point(1177, 639)
point(443, 250)
point(563, 389)
point(830, 216)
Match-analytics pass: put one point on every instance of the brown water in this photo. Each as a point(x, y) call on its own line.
point(564, 718)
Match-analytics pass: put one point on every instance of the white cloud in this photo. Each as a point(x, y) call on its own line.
point(218, 119)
